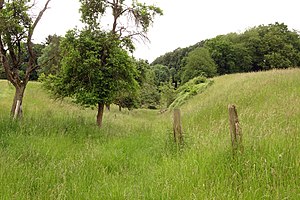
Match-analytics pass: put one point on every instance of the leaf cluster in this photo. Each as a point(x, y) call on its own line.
point(15, 20)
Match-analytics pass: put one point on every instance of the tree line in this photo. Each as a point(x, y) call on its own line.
point(259, 48)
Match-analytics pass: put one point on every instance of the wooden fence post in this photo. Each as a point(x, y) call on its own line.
point(235, 130)
point(177, 129)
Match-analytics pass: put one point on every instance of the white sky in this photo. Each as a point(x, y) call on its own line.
point(185, 22)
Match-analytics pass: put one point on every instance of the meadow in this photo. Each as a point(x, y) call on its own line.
point(57, 152)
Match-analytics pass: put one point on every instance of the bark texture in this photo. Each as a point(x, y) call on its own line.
point(16, 109)
point(100, 114)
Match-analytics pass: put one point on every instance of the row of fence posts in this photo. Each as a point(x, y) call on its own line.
point(235, 129)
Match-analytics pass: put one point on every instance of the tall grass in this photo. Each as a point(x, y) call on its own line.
point(57, 152)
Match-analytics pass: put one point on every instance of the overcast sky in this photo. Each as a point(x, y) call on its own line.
point(185, 22)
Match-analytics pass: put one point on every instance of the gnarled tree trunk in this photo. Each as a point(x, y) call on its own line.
point(107, 107)
point(100, 114)
point(16, 109)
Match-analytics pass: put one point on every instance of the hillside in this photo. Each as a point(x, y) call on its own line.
point(57, 152)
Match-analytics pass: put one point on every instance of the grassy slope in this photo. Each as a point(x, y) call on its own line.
point(56, 152)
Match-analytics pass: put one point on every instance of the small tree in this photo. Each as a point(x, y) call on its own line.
point(198, 63)
point(168, 94)
point(16, 31)
point(149, 93)
point(94, 69)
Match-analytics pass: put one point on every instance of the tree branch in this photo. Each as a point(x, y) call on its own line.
point(32, 63)
point(1, 4)
point(5, 63)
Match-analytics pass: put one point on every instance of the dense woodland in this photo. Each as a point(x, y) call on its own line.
point(259, 48)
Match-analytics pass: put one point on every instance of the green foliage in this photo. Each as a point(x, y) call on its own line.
point(15, 20)
point(174, 61)
point(94, 68)
point(50, 59)
point(144, 14)
point(259, 48)
point(168, 94)
point(199, 63)
point(161, 74)
point(279, 47)
point(139, 18)
point(141, 66)
point(193, 87)
point(149, 94)
point(229, 53)
point(127, 100)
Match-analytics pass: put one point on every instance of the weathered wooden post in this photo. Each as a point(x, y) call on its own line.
point(177, 129)
point(235, 130)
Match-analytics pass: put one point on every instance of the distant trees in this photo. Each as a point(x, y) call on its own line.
point(50, 59)
point(198, 63)
point(272, 46)
point(149, 92)
point(259, 48)
point(229, 54)
point(17, 52)
point(173, 60)
point(161, 74)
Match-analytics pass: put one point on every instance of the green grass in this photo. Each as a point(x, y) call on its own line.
point(57, 152)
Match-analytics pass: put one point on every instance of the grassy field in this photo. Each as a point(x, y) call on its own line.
point(57, 152)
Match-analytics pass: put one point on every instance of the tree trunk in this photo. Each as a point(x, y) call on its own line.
point(100, 114)
point(120, 108)
point(107, 107)
point(16, 109)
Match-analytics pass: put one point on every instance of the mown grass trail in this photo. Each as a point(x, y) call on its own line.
point(57, 152)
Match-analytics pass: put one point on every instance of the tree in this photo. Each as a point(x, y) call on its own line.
point(272, 46)
point(168, 94)
point(127, 99)
point(149, 93)
point(96, 64)
point(199, 62)
point(2, 72)
point(229, 53)
point(50, 59)
point(174, 61)
point(17, 52)
point(86, 77)
point(142, 66)
point(162, 74)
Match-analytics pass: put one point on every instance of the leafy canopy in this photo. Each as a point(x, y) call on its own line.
point(94, 68)
point(199, 63)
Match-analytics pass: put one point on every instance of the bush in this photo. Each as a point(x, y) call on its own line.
point(193, 87)
point(199, 63)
